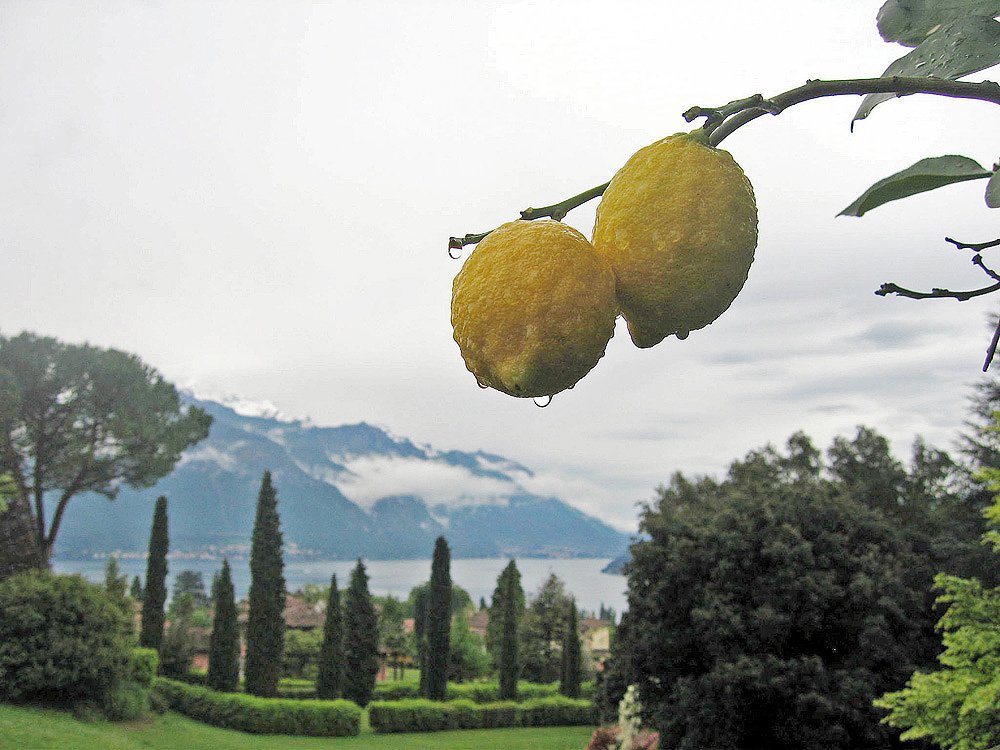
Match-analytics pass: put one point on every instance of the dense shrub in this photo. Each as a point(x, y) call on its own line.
point(144, 663)
point(422, 715)
point(126, 701)
point(62, 639)
point(247, 713)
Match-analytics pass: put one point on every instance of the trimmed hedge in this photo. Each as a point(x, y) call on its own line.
point(478, 692)
point(248, 713)
point(422, 715)
point(557, 711)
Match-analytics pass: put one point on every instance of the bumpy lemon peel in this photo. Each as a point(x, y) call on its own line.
point(533, 308)
point(678, 224)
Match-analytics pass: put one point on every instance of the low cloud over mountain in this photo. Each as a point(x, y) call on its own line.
point(342, 492)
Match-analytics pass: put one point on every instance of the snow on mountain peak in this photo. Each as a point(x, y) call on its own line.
point(245, 407)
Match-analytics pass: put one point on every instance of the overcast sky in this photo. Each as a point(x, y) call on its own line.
point(256, 198)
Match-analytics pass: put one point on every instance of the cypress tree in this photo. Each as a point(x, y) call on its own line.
point(569, 683)
point(508, 605)
point(360, 639)
point(224, 643)
point(438, 624)
point(265, 620)
point(330, 679)
point(155, 594)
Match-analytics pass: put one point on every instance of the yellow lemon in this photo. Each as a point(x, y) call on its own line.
point(533, 308)
point(678, 224)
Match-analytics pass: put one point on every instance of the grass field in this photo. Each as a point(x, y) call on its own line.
point(43, 729)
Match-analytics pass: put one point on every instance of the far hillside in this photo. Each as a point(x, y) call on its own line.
point(343, 492)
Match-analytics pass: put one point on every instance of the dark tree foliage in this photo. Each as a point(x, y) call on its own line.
point(116, 584)
point(155, 596)
point(770, 609)
point(460, 598)
point(360, 639)
point(224, 643)
point(265, 618)
point(178, 647)
point(19, 550)
point(330, 678)
point(571, 676)
point(191, 582)
point(612, 681)
point(77, 418)
point(503, 629)
point(542, 631)
point(135, 590)
point(438, 625)
point(392, 632)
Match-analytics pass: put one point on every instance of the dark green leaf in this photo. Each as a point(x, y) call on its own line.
point(956, 49)
point(993, 190)
point(909, 22)
point(925, 175)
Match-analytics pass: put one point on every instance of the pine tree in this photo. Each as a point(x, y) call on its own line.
point(541, 630)
point(177, 649)
point(136, 589)
point(116, 583)
point(224, 643)
point(569, 683)
point(360, 639)
point(265, 620)
point(330, 679)
point(438, 624)
point(508, 606)
point(155, 595)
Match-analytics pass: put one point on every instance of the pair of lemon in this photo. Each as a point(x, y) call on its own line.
point(535, 304)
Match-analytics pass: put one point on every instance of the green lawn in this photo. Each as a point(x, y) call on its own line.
point(42, 729)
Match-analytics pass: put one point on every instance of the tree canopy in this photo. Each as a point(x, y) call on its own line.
point(770, 608)
point(76, 418)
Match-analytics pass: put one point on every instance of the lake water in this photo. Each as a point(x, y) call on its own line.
point(583, 577)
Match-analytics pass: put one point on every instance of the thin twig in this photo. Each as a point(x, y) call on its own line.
point(977, 260)
point(936, 293)
point(977, 246)
point(991, 350)
point(721, 122)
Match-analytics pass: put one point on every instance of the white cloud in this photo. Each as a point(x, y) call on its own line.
point(439, 484)
point(207, 453)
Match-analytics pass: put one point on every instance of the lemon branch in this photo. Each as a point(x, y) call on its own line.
point(721, 122)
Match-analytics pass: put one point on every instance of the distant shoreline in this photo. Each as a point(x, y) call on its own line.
point(583, 576)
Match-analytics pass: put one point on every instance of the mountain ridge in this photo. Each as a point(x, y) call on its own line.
point(343, 492)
